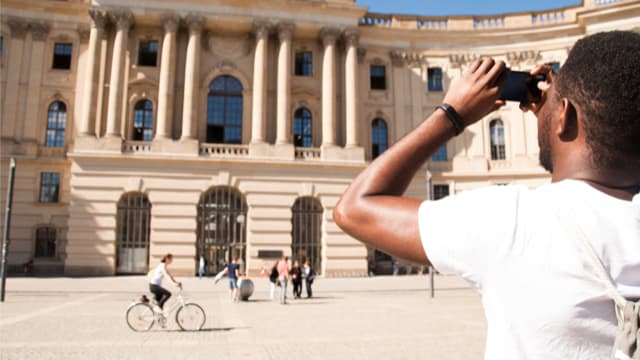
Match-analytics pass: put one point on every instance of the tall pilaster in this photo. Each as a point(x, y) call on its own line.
point(351, 85)
point(167, 77)
point(192, 71)
point(329, 37)
point(259, 110)
point(39, 32)
point(86, 123)
point(18, 30)
point(123, 21)
point(284, 84)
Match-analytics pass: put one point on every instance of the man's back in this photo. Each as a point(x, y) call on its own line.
point(542, 298)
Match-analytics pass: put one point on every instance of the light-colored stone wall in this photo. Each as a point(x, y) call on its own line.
point(204, 39)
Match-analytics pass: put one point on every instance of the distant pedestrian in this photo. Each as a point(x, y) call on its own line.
point(283, 278)
point(201, 270)
point(309, 276)
point(296, 279)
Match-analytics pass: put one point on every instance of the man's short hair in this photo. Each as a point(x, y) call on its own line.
point(602, 77)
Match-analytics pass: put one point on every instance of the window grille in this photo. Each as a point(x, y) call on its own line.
point(224, 111)
point(302, 130)
point(496, 129)
point(56, 124)
point(379, 137)
point(132, 233)
point(306, 232)
point(440, 191)
point(221, 232)
point(143, 121)
point(49, 187)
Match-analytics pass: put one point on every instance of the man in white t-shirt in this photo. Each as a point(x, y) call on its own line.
point(519, 247)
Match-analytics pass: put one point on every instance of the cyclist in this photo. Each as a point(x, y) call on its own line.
point(161, 294)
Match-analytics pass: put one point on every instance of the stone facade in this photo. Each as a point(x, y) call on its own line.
point(160, 112)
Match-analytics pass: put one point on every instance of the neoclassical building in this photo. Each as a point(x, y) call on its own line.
point(222, 128)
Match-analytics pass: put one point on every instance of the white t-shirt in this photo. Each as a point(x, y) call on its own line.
point(519, 249)
point(158, 274)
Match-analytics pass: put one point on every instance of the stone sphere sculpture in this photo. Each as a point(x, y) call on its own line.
point(245, 287)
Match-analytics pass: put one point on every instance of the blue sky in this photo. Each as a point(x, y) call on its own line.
point(461, 7)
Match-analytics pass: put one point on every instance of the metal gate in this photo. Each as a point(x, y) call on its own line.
point(132, 234)
point(306, 232)
point(222, 214)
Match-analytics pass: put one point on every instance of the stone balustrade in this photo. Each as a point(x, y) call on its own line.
point(498, 164)
point(305, 153)
point(224, 150)
point(136, 147)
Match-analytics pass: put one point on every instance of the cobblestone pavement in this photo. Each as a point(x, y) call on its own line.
point(355, 318)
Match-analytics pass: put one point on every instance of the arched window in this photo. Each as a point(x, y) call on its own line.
point(496, 131)
point(143, 121)
point(302, 130)
point(221, 232)
point(56, 123)
point(379, 141)
point(45, 242)
point(224, 111)
point(306, 232)
point(132, 234)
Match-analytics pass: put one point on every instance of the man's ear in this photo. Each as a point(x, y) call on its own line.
point(567, 124)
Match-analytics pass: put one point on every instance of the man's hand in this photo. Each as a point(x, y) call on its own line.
point(475, 93)
point(544, 86)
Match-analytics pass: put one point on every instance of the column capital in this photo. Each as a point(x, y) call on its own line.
point(195, 23)
point(84, 33)
point(122, 19)
point(261, 28)
point(18, 27)
point(285, 31)
point(170, 22)
point(39, 30)
point(99, 18)
point(329, 35)
point(362, 54)
point(351, 37)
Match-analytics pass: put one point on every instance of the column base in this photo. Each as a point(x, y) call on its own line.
point(169, 146)
point(265, 150)
point(354, 153)
point(187, 146)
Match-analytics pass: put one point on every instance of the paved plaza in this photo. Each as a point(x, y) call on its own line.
point(353, 318)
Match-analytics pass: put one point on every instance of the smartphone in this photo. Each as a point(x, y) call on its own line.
point(521, 86)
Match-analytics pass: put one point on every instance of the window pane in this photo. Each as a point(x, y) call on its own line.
point(377, 77)
point(56, 123)
point(378, 137)
point(148, 53)
point(224, 111)
point(440, 154)
point(143, 121)
point(434, 76)
point(303, 64)
point(62, 56)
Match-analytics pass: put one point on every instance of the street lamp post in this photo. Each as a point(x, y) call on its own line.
point(7, 225)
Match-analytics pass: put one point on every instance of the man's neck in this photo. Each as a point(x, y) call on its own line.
point(621, 184)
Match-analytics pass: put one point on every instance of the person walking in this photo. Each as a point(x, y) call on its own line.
point(522, 249)
point(309, 275)
point(233, 272)
point(161, 295)
point(283, 278)
point(296, 279)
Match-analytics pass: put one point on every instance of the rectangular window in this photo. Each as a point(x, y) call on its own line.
point(440, 154)
point(148, 53)
point(555, 66)
point(378, 77)
point(45, 242)
point(49, 187)
point(304, 63)
point(440, 191)
point(1, 46)
point(62, 56)
point(434, 79)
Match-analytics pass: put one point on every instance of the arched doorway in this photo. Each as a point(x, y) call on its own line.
point(306, 232)
point(132, 234)
point(221, 232)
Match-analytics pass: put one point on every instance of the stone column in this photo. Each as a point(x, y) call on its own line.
point(258, 113)
point(192, 73)
point(284, 84)
point(14, 69)
point(86, 123)
point(351, 87)
point(39, 32)
point(167, 77)
point(123, 22)
point(329, 88)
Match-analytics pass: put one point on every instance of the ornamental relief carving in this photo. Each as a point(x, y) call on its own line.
point(229, 47)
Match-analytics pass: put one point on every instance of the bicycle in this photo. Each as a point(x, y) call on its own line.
point(141, 315)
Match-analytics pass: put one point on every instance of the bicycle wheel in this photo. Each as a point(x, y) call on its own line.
point(190, 317)
point(140, 317)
